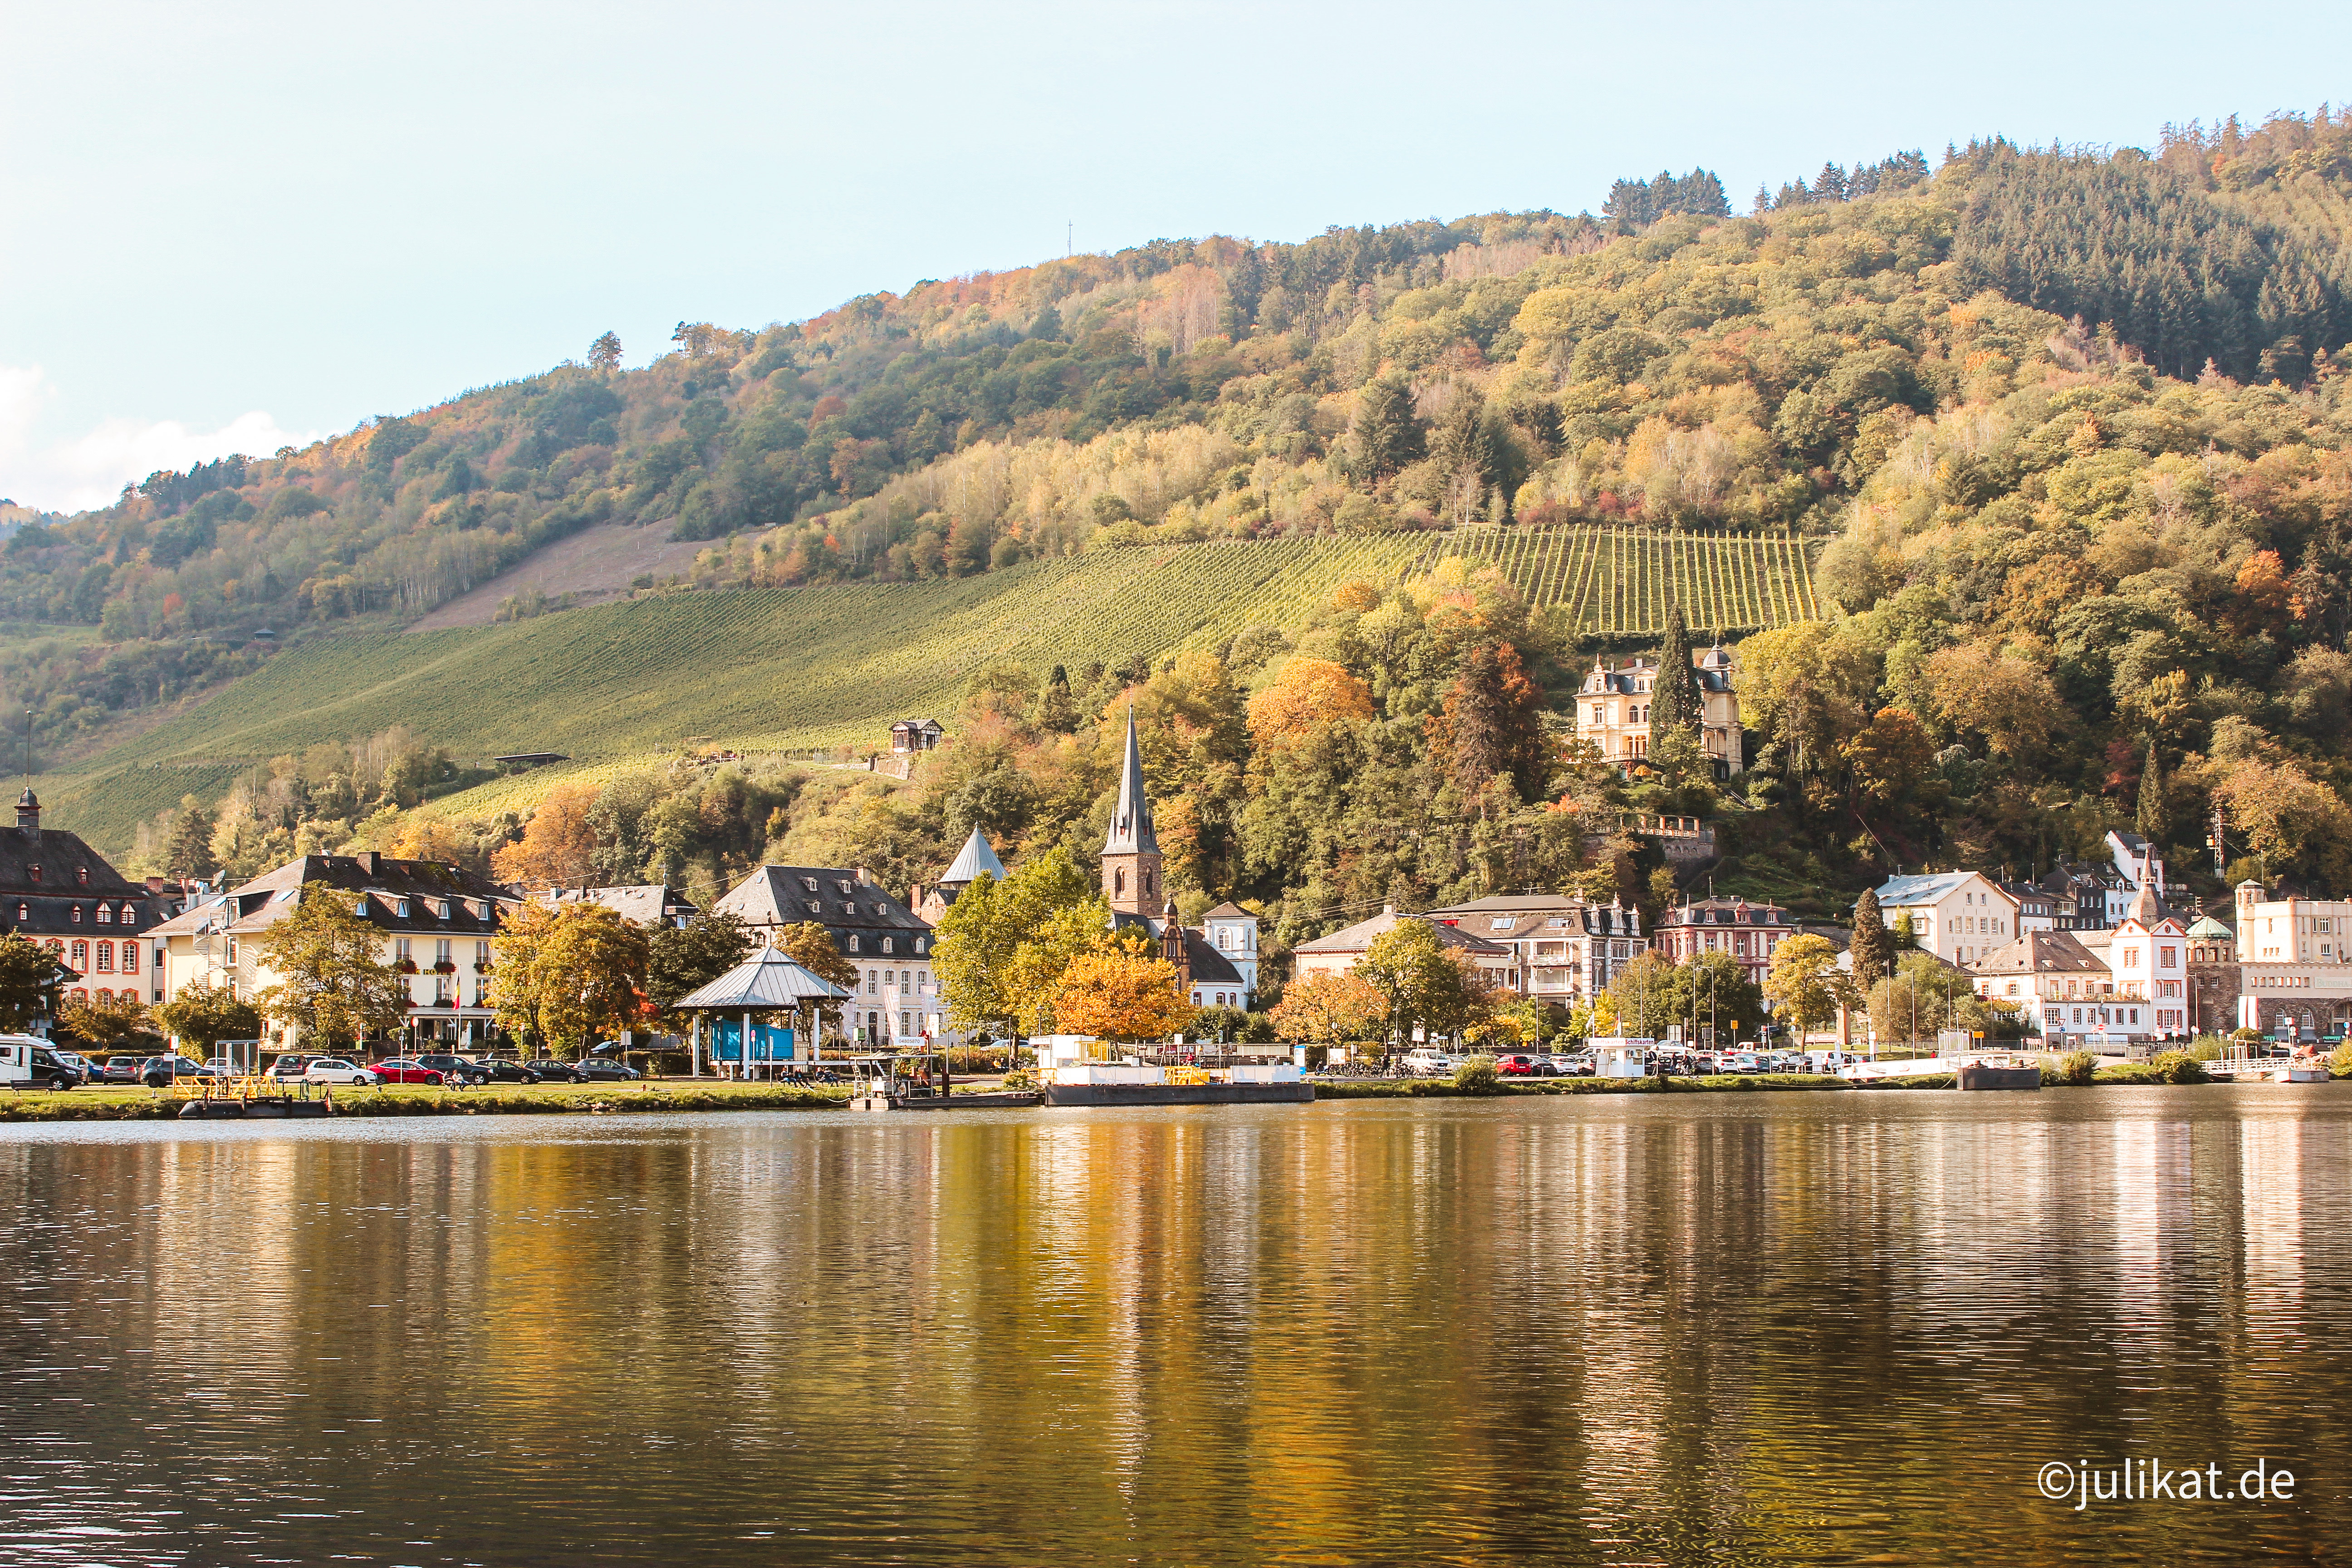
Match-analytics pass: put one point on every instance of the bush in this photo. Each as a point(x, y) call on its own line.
point(2340, 1059)
point(2075, 1066)
point(1478, 1076)
point(1020, 1080)
point(2179, 1066)
point(2208, 1048)
point(2246, 1036)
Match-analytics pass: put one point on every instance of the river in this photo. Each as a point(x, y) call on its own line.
point(1751, 1329)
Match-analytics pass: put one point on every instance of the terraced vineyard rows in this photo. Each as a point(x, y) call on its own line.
point(826, 666)
point(1617, 582)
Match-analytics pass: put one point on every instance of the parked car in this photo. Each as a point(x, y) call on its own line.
point(158, 1072)
point(548, 1070)
point(27, 1061)
point(288, 1067)
point(598, 1071)
point(124, 1069)
point(337, 1069)
point(1426, 1061)
point(405, 1069)
point(503, 1070)
point(1518, 1064)
point(458, 1069)
point(75, 1062)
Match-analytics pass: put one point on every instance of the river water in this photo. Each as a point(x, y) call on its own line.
point(1770, 1329)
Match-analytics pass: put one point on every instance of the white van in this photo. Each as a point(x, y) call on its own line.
point(26, 1062)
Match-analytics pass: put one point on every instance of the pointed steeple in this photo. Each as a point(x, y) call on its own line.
point(1130, 820)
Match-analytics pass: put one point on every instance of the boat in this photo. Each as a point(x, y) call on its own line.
point(1998, 1072)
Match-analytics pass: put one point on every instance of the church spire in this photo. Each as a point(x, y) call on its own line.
point(1130, 821)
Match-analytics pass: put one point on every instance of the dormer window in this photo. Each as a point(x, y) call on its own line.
point(401, 908)
point(105, 915)
point(853, 942)
point(76, 916)
point(444, 909)
point(844, 888)
point(808, 884)
point(886, 946)
point(81, 875)
point(919, 945)
point(35, 871)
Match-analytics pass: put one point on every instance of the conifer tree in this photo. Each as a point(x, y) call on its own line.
point(1872, 947)
point(1387, 436)
point(1674, 701)
point(2155, 821)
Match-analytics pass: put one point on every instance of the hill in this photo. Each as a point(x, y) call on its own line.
point(768, 669)
point(2032, 471)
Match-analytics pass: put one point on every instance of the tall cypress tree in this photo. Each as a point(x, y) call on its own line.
point(2155, 820)
point(1673, 700)
point(1872, 948)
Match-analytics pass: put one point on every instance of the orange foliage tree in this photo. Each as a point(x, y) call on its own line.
point(1306, 692)
point(1327, 1008)
point(557, 847)
point(1121, 995)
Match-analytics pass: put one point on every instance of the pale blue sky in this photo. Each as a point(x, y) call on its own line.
point(232, 222)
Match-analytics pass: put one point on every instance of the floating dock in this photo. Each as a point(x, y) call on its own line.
point(1077, 1094)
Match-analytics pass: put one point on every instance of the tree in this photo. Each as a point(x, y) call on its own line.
point(1674, 700)
point(1032, 983)
point(1490, 722)
point(1386, 435)
point(604, 353)
point(2155, 821)
point(203, 1014)
point(1874, 949)
point(1714, 988)
point(1645, 996)
point(2010, 702)
point(110, 1024)
point(515, 990)
point(332, 983)
point(1121, 997)
point(1057, 711)
point(1327, 1009)
point(984, 928)
point(1423, 983)
point(30, 976)
point(1905, 938)
point(1306, 692)
point(681, 960)
point(189, 852)
point(1922, 997)
point(589, 974)
point(1803, 983)
point(1889, 755)
point(558, 848)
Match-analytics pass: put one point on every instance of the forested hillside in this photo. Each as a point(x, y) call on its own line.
point(2071, 425)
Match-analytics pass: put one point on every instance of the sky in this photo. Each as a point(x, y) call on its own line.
point(235, 226)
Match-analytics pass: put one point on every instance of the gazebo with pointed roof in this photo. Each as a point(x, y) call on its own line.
point(976, 857)
point(769, 980)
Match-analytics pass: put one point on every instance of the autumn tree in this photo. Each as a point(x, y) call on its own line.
point(1803, 982)
point(558, 848)
point(2010, 702)
point(1329, 1009)
point(1646, 998)
point(1490, 722)
point(1121, 995)
point(1422, 984)
point(1306, 692)
point(334, 982)
point(814, 949)
point(1889, 755)
point(579, 974)
point(202, 1015)
point(107, 1023)
point(983, 931)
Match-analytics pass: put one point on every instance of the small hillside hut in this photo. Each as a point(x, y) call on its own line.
point(767, 982)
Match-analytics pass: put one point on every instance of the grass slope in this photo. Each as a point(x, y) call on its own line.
point(773, 668)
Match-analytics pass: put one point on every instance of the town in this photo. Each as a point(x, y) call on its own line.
point(392, 969)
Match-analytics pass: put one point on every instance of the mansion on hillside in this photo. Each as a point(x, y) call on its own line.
point(1612, 709)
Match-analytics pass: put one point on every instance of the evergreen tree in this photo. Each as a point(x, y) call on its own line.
point(1387, 436)
point(1057, 712)
point(1674, 700)
point(2155, 821)
point(1874, 949)
point(604, 353)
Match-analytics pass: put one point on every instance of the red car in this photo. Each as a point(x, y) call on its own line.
point(1518, 1065)
point(401, 1070)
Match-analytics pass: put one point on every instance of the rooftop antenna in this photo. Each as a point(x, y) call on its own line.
point(1069, 245)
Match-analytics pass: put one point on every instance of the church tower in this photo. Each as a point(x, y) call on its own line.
point(1131, 855)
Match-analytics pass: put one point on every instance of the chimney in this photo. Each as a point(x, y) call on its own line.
point(28, 811)
point(368, 861)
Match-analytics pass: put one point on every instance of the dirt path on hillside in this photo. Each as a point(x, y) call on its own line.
point(594, 564)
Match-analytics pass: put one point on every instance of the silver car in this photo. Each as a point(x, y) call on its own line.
point(335, 1069)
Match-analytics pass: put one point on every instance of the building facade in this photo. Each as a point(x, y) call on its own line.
point(1959, 916)
point(897, 1002)
point(59, 891)
point(1749, 932)
point(2061, 986)
point(440, 926)
point(1565, 949)
point(1612, 709)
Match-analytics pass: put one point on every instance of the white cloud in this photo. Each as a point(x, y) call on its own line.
point(92, 468)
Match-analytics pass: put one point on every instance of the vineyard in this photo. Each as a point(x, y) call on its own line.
point(1617, 582)
point(775, 669)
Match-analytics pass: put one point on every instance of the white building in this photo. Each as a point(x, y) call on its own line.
point(2061, 986)
point(1564, 948)
point(1959, 916)
point(1613, 709)
point(2149, 957)
point(2292, 930)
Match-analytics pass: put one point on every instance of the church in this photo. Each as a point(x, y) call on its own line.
point(1216, 964)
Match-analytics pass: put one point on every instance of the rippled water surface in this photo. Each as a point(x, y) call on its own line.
point(1784, 1328)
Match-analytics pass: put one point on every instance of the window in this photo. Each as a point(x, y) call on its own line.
point(1118, 882)
point(232, 953)
point(129, 916)
point(844, 888)
point(2013, 988)
point(888, 944)
point(105, 958)
point(105, 915)
point(35, 871)
point(400, 908)
point(81, 875)
point(919, 945)
point(853, 943)
point(401, 952)
point(905, 1023)
point(1500, 922)
point(481, 953)
point(359, 905)
point(80, 959)
point(76, 916)
point(441, 953)
point(129, 958)
point(808, 884)
point(906, 979)
point(2169, 956)
point(873, 982)
point(442, 908)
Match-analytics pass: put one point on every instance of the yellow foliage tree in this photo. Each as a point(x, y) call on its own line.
point(559, 846)
point(1306, 692)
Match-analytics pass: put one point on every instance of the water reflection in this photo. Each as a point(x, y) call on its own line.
point(1787, 1329)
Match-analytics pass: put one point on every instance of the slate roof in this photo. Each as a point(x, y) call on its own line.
point(476, 903)
point(648, 904)
point(2042, 953)
point(1130, 820)
point(1229, 912)
point(974, 857)
point(62, 857)
point(774, 896)
point(1357, 937)
point(769, 978)
point(1209, 966)
point(1925, 889)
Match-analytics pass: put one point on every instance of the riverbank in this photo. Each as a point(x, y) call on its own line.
point(2138, 1075)
point(652, 1096)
